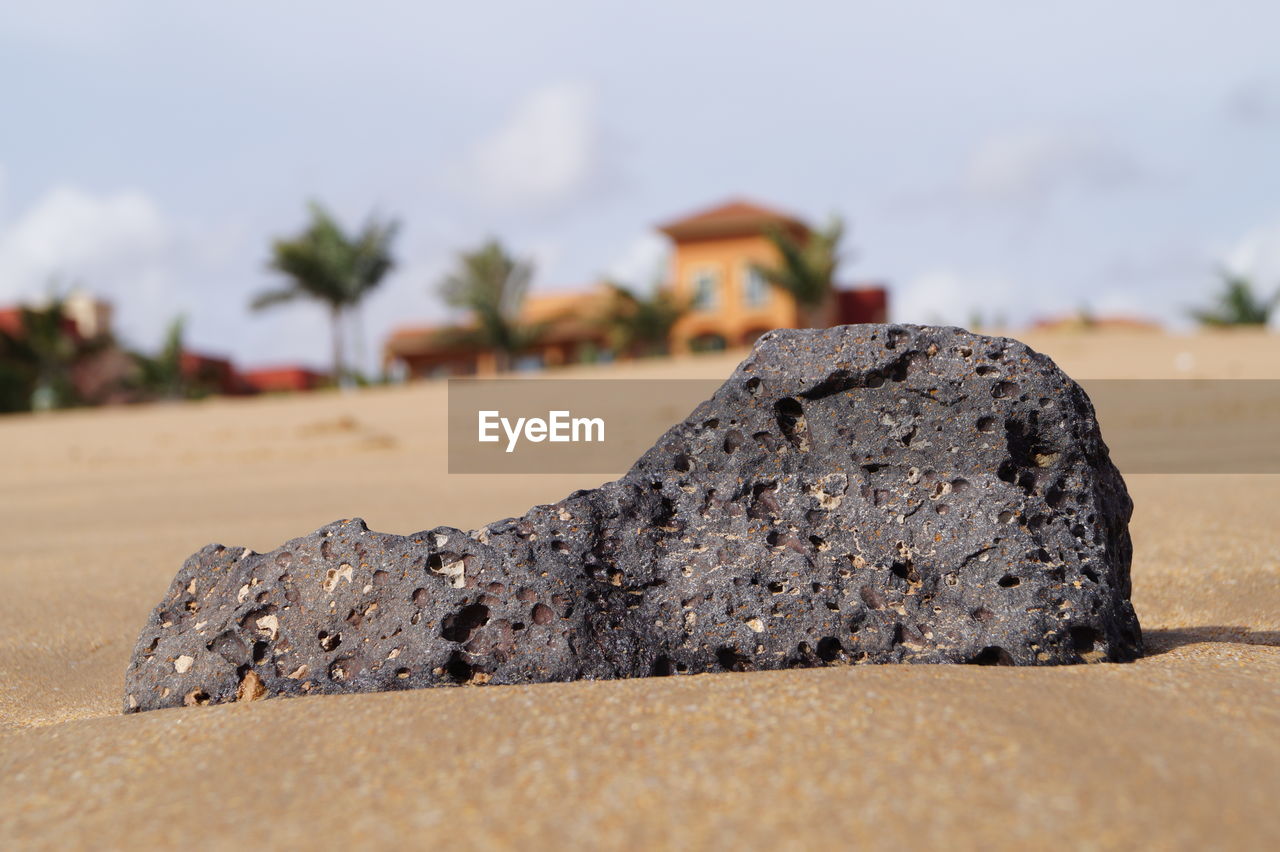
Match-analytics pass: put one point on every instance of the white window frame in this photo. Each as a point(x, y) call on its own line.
point(713, 301)
point(750, 275)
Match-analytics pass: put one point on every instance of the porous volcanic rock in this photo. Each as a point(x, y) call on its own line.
point(862, 494)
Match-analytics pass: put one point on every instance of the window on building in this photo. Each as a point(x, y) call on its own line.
point(755, 289)
point(706, 286)
point(709, 342)
point(528, 363)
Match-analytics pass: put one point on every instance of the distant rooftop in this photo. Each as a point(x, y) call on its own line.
point(736, 217)
point(1113, 322)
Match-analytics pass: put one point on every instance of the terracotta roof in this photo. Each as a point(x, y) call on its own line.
point(426, 338)
point(11, 320)
point(733, 218)
point(286, 378)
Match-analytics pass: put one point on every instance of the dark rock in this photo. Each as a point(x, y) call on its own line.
point(864, 494)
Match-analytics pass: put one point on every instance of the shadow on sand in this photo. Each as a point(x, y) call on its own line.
point(1160, 641)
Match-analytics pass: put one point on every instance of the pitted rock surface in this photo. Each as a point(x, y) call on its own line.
point(862, 494)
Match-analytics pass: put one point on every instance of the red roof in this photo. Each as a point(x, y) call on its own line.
point(11, 324)
point(11, 320)
point(736, 217)
point(281, 379)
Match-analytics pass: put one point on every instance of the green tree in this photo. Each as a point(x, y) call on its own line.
point(491, 285)
point(326, 264)
point(162, 375)
point(1236, 304)
point(638, 325)
point(36, 362)
point(806, 267)
point(19, 369)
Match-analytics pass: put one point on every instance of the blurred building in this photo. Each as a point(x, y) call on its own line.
point(712, 270)
point(210, 372)
point(83, 316)
point(1091, 322)
point(92, 316)
point(214, 374)
point(12, 324)
point(571, 327)
point(283, 379)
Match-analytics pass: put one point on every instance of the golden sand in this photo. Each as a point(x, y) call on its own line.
point(99, 508)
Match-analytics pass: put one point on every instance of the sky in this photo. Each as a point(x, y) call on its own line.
point(1005, 159)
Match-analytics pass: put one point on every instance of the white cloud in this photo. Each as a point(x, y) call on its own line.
point(946, 297)
point(1256, 255)
point(642, 263)
point(118, 246)
point(548, 152)
point(1030, 167)
point(69, 234)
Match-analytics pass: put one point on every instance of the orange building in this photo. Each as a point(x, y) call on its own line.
point(712, 270)
point(572, 332)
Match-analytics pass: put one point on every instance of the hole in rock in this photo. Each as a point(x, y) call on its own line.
point(732, 440)
point(459, 626)
point(1083, 639)
point(458, 669)
point(791, 422)
point(992, 655)
point(732, 661)
point(829, 649)
point(343, 668)
point(1004, 389)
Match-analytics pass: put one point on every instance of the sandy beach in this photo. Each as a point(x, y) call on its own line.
point(99, 508)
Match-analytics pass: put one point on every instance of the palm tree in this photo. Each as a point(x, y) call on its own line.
point(337, 269)
point(162, 375)
point(807, 267)
point(1237, 304)
point(491, 284)
point(640, 326)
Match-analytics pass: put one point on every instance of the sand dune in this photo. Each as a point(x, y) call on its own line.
point(98, 509)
